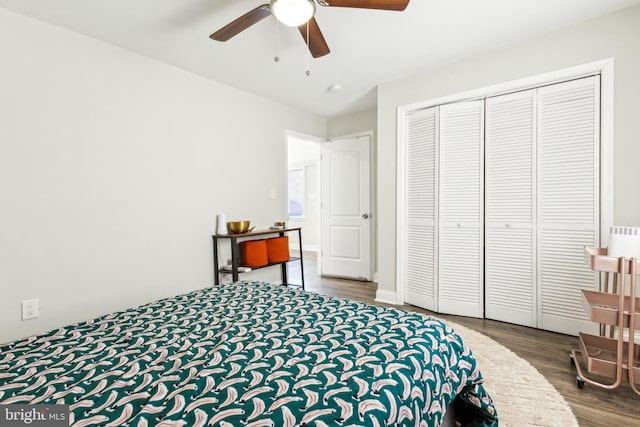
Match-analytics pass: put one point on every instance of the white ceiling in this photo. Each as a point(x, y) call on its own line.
point(368, 47)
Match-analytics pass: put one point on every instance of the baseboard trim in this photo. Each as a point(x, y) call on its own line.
point(310, 248)
point(387, 297)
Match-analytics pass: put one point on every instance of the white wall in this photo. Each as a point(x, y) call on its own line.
point(349, 124)
point(113, 167)
point(616, 35)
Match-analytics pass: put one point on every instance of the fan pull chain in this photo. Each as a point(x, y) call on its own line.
point(308, 51)
point(277, 57)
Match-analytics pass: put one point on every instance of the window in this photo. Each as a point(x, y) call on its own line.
point(296, 193)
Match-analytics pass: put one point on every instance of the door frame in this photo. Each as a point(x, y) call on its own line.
point(316, 140)
point(603, 67)
point(372, 192)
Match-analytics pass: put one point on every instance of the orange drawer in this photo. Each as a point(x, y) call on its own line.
point(278, 249)
point(254, 253)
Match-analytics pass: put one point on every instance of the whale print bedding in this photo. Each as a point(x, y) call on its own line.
point(250, 354)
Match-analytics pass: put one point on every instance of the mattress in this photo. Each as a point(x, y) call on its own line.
point(250, 354)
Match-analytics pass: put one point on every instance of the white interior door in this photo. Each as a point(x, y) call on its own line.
point(510, 201)
point(346, 208)
point(568, 201)
point(421, 214)
point(460, 236)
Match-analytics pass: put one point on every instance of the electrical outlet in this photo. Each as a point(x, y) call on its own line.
point(30, 309)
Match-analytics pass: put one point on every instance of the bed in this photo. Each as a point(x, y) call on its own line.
point(250, 354)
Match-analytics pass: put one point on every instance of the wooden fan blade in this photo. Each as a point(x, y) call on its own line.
point(241, 24)
point(398, 5)
point(317, 44)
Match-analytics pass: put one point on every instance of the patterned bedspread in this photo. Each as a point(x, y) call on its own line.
point(249, 354)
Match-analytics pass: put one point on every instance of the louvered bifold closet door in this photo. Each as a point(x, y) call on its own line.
point(510, 285)
point(421, 217)
point(460, 240)
point(568, 200)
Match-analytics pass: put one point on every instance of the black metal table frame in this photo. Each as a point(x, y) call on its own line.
point(235, 262)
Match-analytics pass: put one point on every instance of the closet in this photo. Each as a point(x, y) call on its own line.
point(501, 197)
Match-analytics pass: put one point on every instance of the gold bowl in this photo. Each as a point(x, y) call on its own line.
point(237, 227)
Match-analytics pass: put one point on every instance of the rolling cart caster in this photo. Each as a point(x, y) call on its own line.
point(580, 382)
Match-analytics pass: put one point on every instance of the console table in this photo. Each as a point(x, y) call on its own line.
point(235, 262)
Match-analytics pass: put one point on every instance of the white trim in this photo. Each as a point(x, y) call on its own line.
point(294, 134)
point(401, 201)
point(291, 133)
point(373, 215)
point(604, 67)
point(387, 297)
point(606, 150)
point(305, 248)
point(368, 133)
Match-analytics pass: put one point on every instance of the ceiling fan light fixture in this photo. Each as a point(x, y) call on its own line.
point(293, 13)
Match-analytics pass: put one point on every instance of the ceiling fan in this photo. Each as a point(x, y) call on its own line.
point(300, 13)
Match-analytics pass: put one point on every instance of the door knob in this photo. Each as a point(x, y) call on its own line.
point(365, 216)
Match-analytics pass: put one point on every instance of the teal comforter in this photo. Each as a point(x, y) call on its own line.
point(250, 354)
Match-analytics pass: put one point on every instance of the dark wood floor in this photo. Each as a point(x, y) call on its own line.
point(548, 352)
